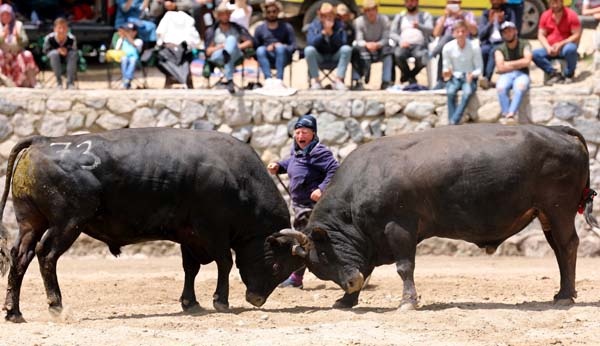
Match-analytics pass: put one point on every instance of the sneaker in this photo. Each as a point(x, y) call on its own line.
point(315, 86)
point(230, 87)
point(358, 85)
point(567, 80)
point(339, 85)
point(292, 281)
point(555, 78)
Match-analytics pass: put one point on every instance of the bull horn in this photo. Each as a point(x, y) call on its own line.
point(302, 239)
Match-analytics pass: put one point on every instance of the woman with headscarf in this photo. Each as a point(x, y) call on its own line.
point(310, 167)
point(16, 63)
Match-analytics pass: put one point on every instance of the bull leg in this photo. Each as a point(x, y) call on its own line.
point(563, 239)
point(22, 253)
point(221, 296)
point(191, 267)
point(55, 243)
point(404, 247)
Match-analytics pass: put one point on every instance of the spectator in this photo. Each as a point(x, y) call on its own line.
point(202, 14)
point(517, 7)
point(490, 37)
point(411, 32)
point(127, 51)
point(559, 34)
point(461, 66)
point(512, 63)
point(310, 168)
point(16, 64)
point(327, 43)
point(177, 37)
point(242, 13)
point(372, 43)
point(226, 41)
point(444, 30)
point(130, 11)
point(60, 46)
point(276, 42)
point(592, 8)
point(347, 17)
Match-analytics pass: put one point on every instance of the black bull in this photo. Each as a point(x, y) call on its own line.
point(478, 183)
point(204, 190)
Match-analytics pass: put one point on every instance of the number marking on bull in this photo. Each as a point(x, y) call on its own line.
point(86, 152)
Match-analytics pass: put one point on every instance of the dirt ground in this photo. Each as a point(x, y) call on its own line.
point(464, 300)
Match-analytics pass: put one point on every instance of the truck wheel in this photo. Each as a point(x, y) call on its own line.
point(531, 17)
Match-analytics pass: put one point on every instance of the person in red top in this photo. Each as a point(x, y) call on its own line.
point(559, 33)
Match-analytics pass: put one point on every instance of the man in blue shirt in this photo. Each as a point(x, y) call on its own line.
point(275, 41)
point(327, 43)
point(310, 167)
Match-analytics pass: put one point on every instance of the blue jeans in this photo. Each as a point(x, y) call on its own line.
point(128, 67)
point(314, 59)
point(452, 87)
point(568, 52)
point(280, 58)
point(234, 52)
point(489, 60)
point(519, 83)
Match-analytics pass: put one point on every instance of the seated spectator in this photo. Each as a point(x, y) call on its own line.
point(490, 37)
point(461, 66)
point(226, 41)
point(276, 42)
point(373, 44)
point(411, 31)
point(518, 7)
point(126, 51)
point(130, 11)
point(60, 46)
point(512, 63)
point(177, 36)
point(559, 34)
point(80, 10)
point(327, 42)
point(16, 63)
point(443, 30)
point(202, 14)
point(242, 13)
point(347, 17)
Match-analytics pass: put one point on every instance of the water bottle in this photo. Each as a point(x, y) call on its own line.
point(102, 56)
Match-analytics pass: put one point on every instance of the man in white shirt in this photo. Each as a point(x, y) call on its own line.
point(411, 31)
point(462, 64)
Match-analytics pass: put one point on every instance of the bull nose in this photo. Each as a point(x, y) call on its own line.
point(354, 283)
point(255, 299)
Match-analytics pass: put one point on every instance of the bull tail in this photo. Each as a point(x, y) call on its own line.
point(586, 205)
point(4, 254)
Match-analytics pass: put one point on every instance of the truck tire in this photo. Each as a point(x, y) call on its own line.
point(531, 17)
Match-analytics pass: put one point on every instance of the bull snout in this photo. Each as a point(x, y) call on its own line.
point(354, 282)
point(255, 299)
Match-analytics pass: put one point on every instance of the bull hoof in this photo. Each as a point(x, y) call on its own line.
point(408, 306)
point(189, 306)
point(15, 318)
point(344, 304)
point(220, 307)
point(564, 301)
point(55, 311)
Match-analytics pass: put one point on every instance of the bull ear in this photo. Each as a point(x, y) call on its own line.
point(319, 234)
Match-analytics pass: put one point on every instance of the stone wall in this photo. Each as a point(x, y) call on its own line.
point(346, 119)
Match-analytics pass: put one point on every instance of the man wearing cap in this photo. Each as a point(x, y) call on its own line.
point(225, 42)
point(411, 32)
point(310, 167)
point(276, 42)
point(372, 43)
point(126, 51)
point(512, 63)
point(327, 42)
point(559, 33)
point(344, 14)
point(490, 37)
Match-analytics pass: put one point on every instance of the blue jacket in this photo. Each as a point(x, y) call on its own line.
point(326, 44)
point(308, 172)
